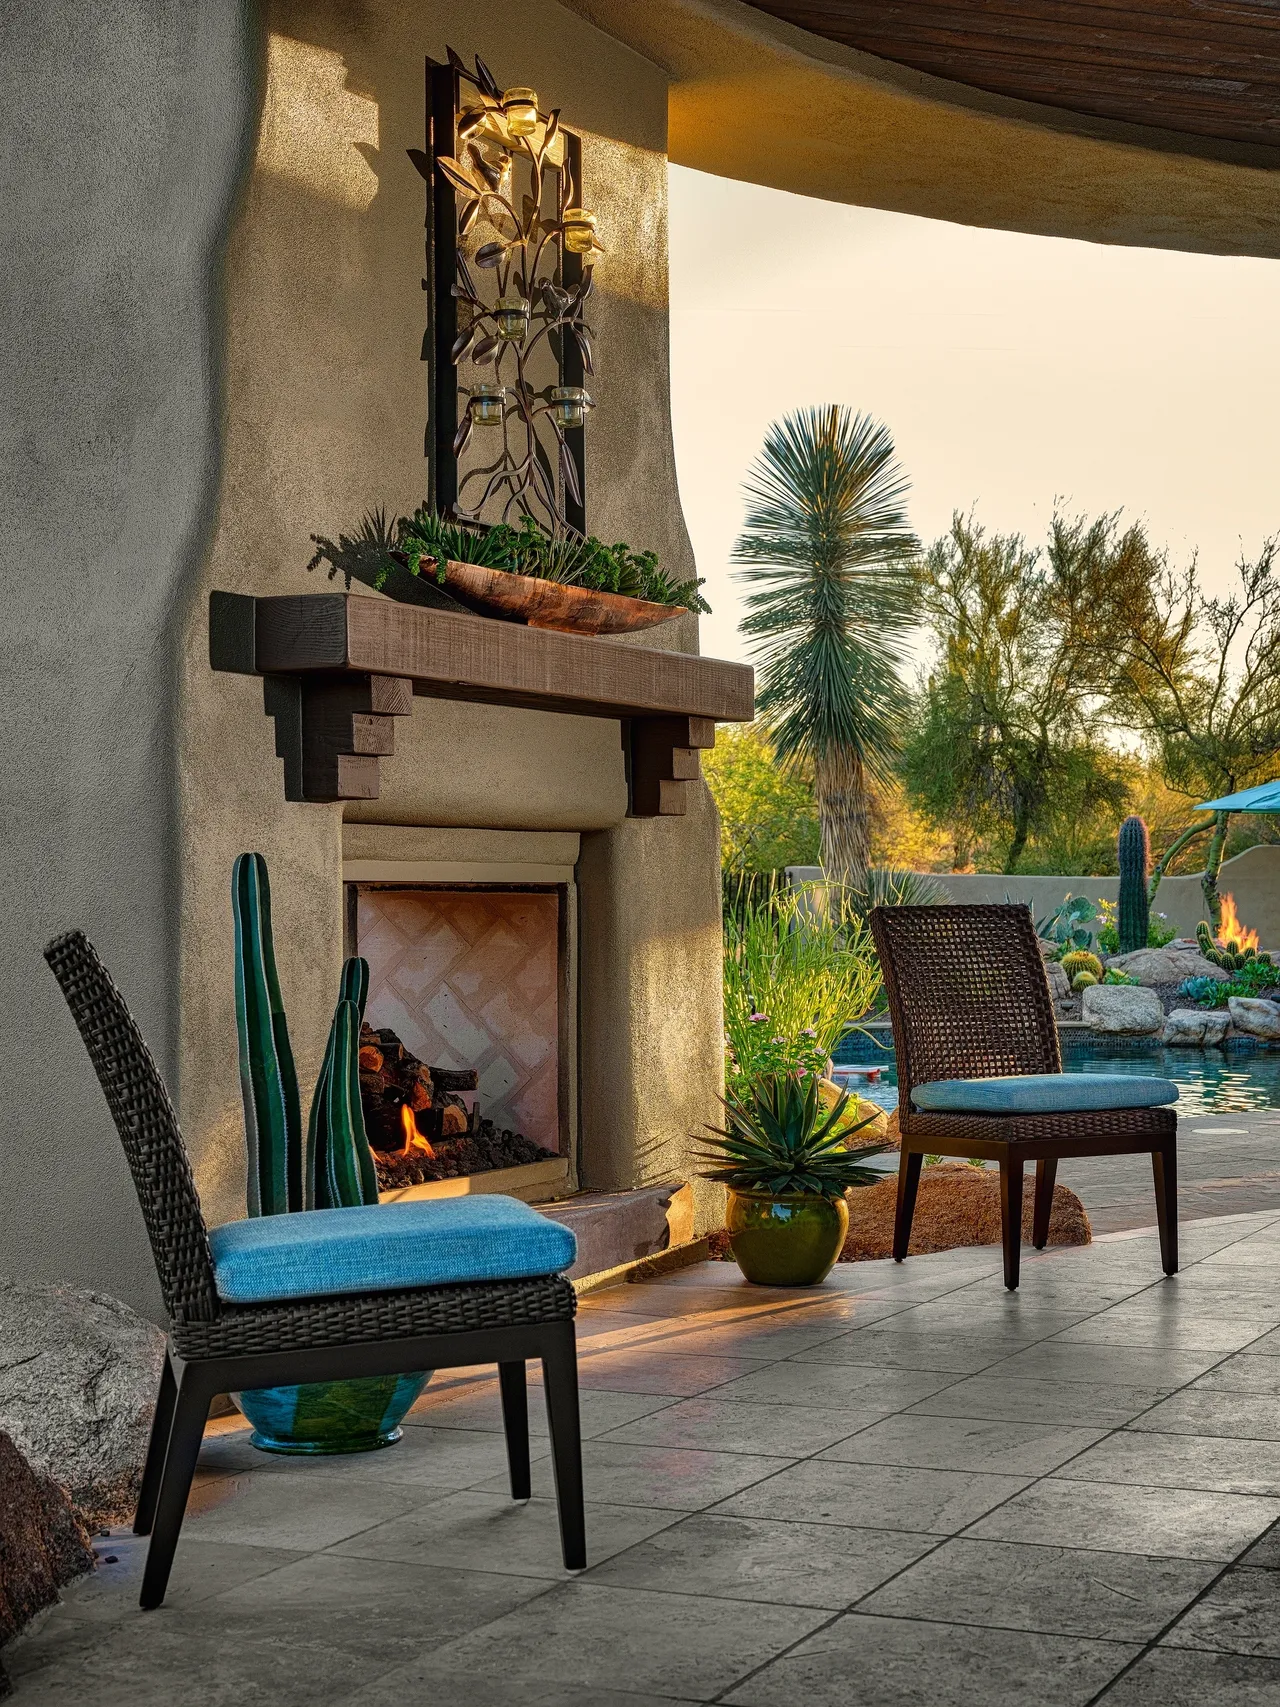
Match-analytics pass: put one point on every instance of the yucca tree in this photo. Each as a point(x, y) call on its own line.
point(827, 549)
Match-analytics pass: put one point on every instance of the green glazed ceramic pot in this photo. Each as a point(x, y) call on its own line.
point(330, 1416)
point(786, 1241)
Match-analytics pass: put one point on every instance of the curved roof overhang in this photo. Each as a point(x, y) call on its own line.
point(757, 98)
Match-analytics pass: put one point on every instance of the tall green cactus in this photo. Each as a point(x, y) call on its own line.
point(1133, 916)
point(339, 1170)
point(268, 1077)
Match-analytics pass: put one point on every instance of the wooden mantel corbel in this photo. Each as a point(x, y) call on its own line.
point(339, 668)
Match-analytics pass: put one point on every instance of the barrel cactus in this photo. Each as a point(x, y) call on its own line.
point(1083, 980)
point(1081, 960)
point(268, 1078)
point(1229, 955)
point(1133, 918)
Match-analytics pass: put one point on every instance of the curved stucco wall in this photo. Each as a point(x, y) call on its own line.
point(127, 129)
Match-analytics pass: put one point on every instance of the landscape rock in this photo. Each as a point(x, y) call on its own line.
point(78, 1378)
point(957, 1205)
point(1256, 1015)
point(1059, 983)
point(1195, 1028)
point(1168, 965)
point(1123, 1008)
point(42, 1544)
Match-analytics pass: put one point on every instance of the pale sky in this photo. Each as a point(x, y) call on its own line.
point(1010, 370)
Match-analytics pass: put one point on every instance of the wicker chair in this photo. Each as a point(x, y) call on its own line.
point(215, 1347)
point(969, 999)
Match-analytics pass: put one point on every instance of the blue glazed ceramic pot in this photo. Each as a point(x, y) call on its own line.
point(331, 1416)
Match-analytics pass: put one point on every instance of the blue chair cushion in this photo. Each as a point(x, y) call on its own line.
point(386, 1247)
point(1043, 1093)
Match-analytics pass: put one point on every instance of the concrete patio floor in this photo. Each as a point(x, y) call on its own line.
point(905, 1487)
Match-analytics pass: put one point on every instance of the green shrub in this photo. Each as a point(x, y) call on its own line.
point(794, 980)
point(1159, 930)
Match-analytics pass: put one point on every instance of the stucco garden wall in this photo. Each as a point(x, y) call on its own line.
point(1252, 878)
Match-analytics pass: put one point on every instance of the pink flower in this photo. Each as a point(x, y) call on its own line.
point(757, 1018)
point(777, 1040)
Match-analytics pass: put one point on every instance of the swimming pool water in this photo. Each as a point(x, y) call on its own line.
point(1209, 1081)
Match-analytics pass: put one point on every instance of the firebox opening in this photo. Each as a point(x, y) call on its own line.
point(463, 1060)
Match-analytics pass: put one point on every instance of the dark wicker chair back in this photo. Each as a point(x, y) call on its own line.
point(148, 1128)
point(968, 994)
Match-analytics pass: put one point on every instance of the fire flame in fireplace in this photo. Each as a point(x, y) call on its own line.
point(413, 1139)
point(1231, 929)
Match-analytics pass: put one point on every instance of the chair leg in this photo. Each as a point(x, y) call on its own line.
point(157, 1448)
point(909, 1165)
point(1011, 1217)
point(1164, 1165)
point(515, 1422)
point(190, 1413)
point(560, 1380)
point(1046, 1174)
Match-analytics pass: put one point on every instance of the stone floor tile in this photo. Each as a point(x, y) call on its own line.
point(424, 1456)
point(480, 1408)
point(484, 1532)
point(1235, 1416)
point(960, 1443)
point(658, 1372)
point(345, 1628)
point(1177, 1328)
point(667, 1477)
point(1245, 1372)
point(904, 1351)
point(1180, 1677)
point(723, 1425)
point(1239, 1615)
point(790, 1563)
point(1175, 1523)
point(1266, 1551)
point(769, 1336)
point(1120, 1597)
point(1075, 1404)
point(609, 1638)
point(1150, 1367)
point(1180, 1461)
point(823, 1491)
point(1246, 1253)
point(897, 1662)
point(1266, 1345)
point(835, 1384)
point(200, 1569)
point(421, 1681)
point(293, 1510)
point(1021, 1325)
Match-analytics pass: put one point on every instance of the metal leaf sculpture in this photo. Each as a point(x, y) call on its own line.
point(517, 314)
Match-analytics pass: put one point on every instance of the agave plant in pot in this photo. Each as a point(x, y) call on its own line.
point(783, 1153)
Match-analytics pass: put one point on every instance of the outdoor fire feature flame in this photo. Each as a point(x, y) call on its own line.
point(1231, 929)
point(413, 1139)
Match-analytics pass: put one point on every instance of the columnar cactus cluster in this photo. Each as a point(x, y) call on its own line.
point(1133, 916)
point(1229, 955)
point(335, 1167)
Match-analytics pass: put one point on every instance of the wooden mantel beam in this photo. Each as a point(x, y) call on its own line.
point(339, 667)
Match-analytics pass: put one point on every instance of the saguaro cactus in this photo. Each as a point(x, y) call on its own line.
point(268, 1077)
point(339, 1170)
point(1133, 916)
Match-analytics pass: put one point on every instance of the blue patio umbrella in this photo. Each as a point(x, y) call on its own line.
point(1264, 798)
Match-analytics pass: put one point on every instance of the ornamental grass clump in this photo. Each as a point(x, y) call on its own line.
point(795, 979)
point(779, 1140)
